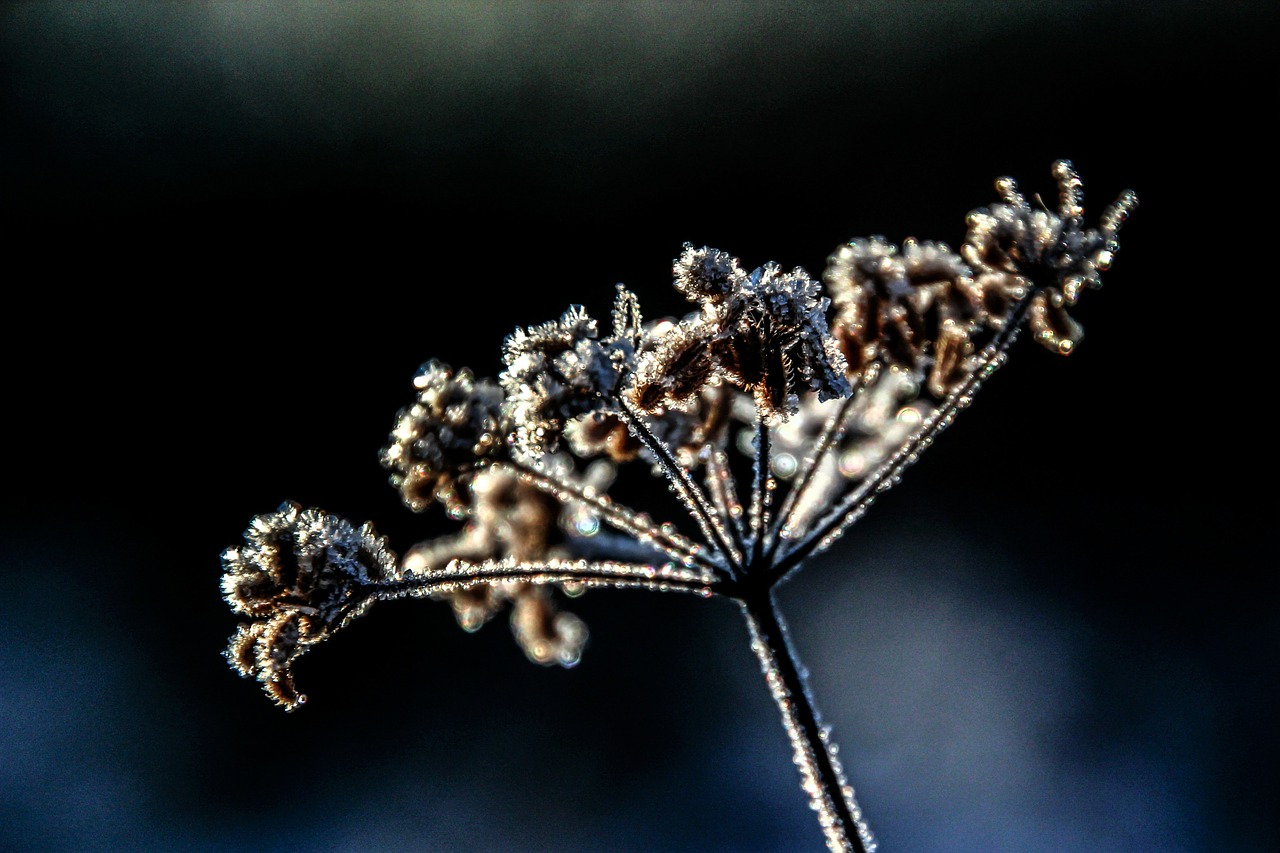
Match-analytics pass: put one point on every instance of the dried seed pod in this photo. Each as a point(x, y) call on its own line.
point(1015, 249)
point(675, 367)
point(563, 369)
point(435, 445)
point(302, 574)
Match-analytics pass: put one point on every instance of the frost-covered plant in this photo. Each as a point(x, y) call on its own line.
point(831, 389)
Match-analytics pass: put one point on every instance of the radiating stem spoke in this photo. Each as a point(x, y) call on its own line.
point(690, 493)
point(860, 499)
point(460, 574)
point(832, 433)
point(662, 536)
point(761, 491)
point(724, 493)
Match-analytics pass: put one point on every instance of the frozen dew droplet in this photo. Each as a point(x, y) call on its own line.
point(585, 522)
point(853, 463)
point(909, 416)
point(784, 465)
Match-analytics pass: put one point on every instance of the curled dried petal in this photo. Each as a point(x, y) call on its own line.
point(597, 434)
point(547, 635)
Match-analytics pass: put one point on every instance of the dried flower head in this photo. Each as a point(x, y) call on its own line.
point(301, 575)
point(1015, 248)
point(914, 308)
point(455, 421)
point(560, 370)
point(765, 331)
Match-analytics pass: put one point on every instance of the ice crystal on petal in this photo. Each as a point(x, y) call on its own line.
point(455, 421)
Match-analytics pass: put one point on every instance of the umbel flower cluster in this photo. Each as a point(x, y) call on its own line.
point(776, 411)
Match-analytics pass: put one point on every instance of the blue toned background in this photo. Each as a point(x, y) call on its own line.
point(236, 229)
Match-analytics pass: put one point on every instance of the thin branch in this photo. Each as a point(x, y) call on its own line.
point(664, 537)
point(461, 574)
point(724, 493)
point(761, 489)
point(832, 433)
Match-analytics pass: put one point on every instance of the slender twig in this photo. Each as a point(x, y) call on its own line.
point(461, 574)
point(723, 489)
point(832, 433)
point(621, 518)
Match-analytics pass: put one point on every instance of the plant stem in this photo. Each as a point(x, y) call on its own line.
point(821, 776)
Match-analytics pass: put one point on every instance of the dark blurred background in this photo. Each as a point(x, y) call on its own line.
point(235, 230)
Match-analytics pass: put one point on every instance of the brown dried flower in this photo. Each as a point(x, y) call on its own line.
point(765, 331)
point(1016, 249)
point(301, 575)
point(455, 421)
point(560, 370)
point(914, 308)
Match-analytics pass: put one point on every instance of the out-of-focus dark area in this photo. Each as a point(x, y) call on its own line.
point(235, 230)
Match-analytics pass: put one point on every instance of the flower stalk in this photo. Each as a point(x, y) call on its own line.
point(813, 750)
